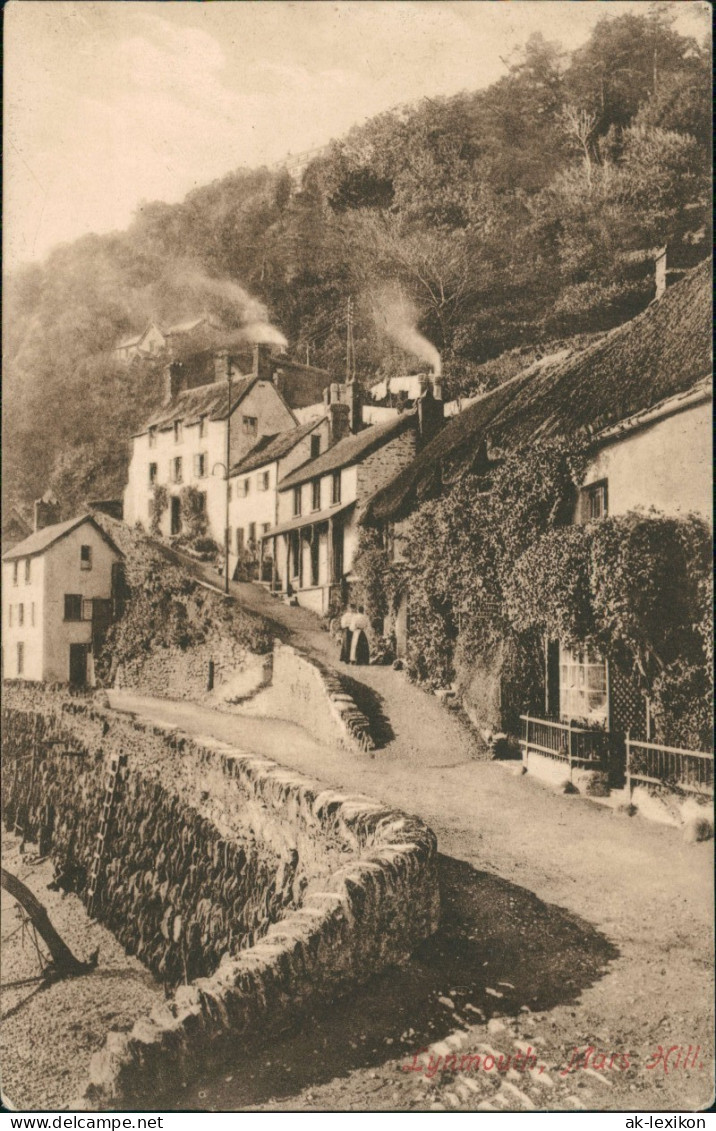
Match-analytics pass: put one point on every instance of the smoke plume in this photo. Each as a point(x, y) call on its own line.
point(238, 310)
point(397, 316)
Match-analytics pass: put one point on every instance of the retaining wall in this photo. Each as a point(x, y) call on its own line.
point(173, 673)
point(350, 886)
point(319, 701)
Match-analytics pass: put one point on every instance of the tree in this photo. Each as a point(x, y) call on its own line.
point(64, 963)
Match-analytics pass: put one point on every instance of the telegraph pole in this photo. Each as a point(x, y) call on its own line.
point(228, 468)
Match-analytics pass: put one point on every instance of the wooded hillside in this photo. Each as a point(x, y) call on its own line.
point(495, 220)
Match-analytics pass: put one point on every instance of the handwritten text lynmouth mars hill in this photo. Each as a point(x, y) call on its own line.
point(667, 1059)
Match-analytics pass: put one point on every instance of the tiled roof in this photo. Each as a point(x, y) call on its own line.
point(271, 448)
point(38, 542)
point(350, 450)
point(206, 400)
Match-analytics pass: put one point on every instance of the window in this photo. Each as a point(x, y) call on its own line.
point(264, 480)
point(20, 658)
point(296, 501)
point(20, 615)
point(265, 527)
point(251, 425)
point(252, 533)
point(316, 495)
point(9, 615)
point(582, 686)
point(336, 487)
point(28, 564)
point(32, 614)
point(15, 571)
point(85, 557)
point(594, 501)
point(177, 474)
point(87, 607)
point(153, 471)
point(245, 487)
point(178, 432)
point(200, 465)
point(73, 606)
point(152, 437)
point(239, 539)
point(202, 427)
point(315, 446)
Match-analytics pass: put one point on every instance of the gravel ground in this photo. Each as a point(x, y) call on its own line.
point(49, 1033)
point(566, 924)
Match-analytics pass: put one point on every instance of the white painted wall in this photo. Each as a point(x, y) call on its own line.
point(666, 465)
point(63, 574)
point(26, 594)
point(53, 574)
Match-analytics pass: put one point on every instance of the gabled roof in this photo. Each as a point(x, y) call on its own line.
point(665, 350)
point(205, 400)
point(41, 540)
point(137, 338)
point(350, 450)
point(271, 448)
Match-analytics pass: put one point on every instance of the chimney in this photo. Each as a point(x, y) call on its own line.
point(173, 380)
point(47, 511)
point(353, 392)
point(431, 416)
point(338, 422)
point(660, 272)
point(221, 365)
point(262, 361)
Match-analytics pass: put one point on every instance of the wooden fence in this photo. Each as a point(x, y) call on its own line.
point(648, 763)
point(565, 742)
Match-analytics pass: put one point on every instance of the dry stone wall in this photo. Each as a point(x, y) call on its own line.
point(349, 886)
point(176, 673)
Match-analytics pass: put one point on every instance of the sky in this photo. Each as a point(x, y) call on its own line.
point(115, 102)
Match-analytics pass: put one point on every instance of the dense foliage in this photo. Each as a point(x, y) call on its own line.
point(495, 566)
point(167, 608)
point(499, 219)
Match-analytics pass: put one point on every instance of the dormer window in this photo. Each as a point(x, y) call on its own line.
point(152, 437)
point(178, 432)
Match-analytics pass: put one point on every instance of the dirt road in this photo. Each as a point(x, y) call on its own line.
point(565, 926)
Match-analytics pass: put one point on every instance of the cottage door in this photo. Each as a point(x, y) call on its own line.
point(176, 515)
point(78, 665)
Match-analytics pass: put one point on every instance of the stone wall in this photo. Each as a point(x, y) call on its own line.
point(356, 882)
point(175, 673)
point(318, 700)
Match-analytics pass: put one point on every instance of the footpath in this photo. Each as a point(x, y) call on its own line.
point(566, 927)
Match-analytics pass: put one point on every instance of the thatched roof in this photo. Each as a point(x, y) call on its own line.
point(663, 351)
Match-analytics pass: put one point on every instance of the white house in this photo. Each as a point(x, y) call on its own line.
point(253, 506)
point(213, 415)
point(320, 503)
point(57, 601)
point(147, 344)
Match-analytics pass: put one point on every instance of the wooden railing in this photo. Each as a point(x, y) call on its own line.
point(565, 742)
point(648, 763)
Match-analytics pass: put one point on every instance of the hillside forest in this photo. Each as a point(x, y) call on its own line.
point(490, 224)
